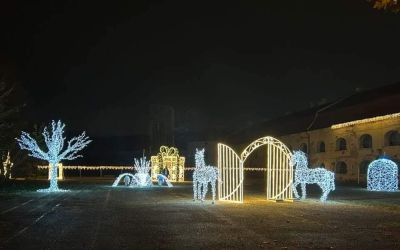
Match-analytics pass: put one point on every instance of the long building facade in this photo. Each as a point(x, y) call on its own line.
point(348, 148)
point(343, 136)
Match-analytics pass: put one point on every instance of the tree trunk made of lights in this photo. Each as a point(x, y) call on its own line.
point(53, 176)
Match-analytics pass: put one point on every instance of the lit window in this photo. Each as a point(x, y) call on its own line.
point(366, 141)
point(392, 138)
point(341, 144)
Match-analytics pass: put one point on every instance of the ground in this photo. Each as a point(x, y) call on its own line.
point(95, 216)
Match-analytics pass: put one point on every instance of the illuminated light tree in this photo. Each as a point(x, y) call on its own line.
point(55, 149)
point(303, 175)
point(202, 175)
point(382, 176)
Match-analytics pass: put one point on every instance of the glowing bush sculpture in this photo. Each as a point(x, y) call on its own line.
point(142, 176)
point(303, 175)
point(140, 179)
point(382, 176)
point(55, 149)
point(202, 175)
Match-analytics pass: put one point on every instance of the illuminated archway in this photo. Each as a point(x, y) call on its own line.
point(279, 170)
point(117, 181)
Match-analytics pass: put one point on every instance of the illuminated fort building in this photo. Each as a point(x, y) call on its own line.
point(343, 136)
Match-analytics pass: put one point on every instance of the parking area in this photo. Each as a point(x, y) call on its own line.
point(95, 216)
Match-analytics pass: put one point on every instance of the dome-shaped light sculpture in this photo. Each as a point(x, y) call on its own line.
point(382, 176)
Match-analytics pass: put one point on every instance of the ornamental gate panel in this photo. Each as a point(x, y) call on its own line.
point(230, 167)
point(279, 171)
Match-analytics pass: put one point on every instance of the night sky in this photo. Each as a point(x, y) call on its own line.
point(225, 65)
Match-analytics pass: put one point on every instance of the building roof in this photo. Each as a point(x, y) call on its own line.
point(364, 104)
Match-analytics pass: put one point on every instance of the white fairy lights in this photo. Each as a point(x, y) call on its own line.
point(382, 176)
point(367, 120)
point(303, 175)
point(142, 168)
point(118, 179)
point(92, 167)
point(163, 179)
point(55, 149)
point(202, 175)
point(141, 178)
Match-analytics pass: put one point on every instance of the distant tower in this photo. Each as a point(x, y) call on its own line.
point(161, 126)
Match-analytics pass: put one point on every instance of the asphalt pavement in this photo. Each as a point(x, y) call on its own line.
point(95, 216)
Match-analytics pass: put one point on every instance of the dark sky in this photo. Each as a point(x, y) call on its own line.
point(220, 64)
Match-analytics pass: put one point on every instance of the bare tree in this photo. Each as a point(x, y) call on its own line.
point(55, 149)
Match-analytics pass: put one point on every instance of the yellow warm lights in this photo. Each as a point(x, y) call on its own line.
point(61, 169)
point(92, 167)
point(367, 120)
point(278, 168)
point(169, 158)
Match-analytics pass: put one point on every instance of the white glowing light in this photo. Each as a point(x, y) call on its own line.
point(126, 180)
point(168, 158)
point(162, 179)
point(7, 166)
point(142, 168)
point(141, 178)
point(55, 149)
point(303, 175)
point(61, 169)
point(202, 175)
point(92, 167)
point(382, 176)
point(279, 171)
point(367, 120)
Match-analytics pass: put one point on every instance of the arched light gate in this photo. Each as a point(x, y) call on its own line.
point(278, 168)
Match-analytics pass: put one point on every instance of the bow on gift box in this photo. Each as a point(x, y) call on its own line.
point(168, 151)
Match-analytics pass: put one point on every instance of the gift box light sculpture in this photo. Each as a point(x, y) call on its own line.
point(303, 175)
point(55, 149)
point(203, 175)
point(140, 179)
point(382, 176)
point(168, 158)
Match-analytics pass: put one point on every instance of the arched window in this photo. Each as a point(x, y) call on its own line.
point(322, 165)
point(392, 138)
point(341, 144)
point(341, 167)
point(321, 147)
point(304, 148)
point(364, 166)
point(366, 141)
